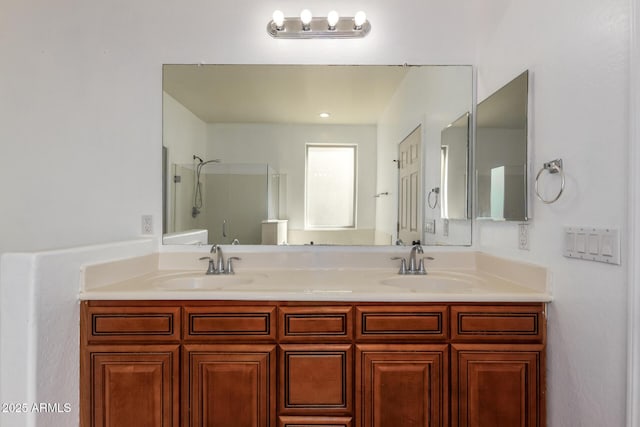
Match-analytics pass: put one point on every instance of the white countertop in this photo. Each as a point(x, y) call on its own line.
point(322, 284)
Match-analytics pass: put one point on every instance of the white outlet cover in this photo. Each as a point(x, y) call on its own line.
point(147, 224)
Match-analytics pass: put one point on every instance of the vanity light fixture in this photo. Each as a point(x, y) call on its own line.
point(308, 27)
point(325, 115)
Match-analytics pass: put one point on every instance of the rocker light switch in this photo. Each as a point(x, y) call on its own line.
point(592, 244)
point(581, 243)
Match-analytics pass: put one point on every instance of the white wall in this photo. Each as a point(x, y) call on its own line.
point(40, 317)
point(578, 57)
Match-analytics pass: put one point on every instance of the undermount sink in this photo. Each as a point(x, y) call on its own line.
point(431, 283)
point(202, 283)
point(315, 282)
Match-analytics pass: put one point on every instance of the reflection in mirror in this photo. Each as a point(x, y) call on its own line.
point(260, 120)
point(501, 153)
point(454, 181)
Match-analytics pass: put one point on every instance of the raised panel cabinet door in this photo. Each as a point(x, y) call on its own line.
point(130, 386)
point(497, 385)
point(402, 385)
point(229, 385)
point(315, 379)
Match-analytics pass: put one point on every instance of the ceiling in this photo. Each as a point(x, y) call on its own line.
point(283, 93)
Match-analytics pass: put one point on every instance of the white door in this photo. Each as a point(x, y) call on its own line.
point(410, 192)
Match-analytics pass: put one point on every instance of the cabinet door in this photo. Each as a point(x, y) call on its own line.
point(229, 385)
point(316, 379)
point(401, 385)
point(497, 385)
point(130, 385)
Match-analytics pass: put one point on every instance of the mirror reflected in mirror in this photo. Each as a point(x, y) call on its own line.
point(454, 168)
point(309, 154)
point(501, 153)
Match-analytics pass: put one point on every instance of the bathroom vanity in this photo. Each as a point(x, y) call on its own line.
point(325, 358)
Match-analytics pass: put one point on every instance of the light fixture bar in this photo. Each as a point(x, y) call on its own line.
point(319, 28)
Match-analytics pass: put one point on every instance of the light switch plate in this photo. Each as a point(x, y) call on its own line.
point(592, 244)
point(430, 226)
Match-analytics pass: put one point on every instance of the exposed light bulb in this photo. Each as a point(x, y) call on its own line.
point(305, 17)
point(278, 19)
point(325, 115)
point(359, 20)
point(332, 19)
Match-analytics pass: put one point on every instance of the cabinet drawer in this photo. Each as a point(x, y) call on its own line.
point(315, 324)
point(239, 323)
point(105, 324)
point(314, 421)
point(498, 323)
point(415, 323)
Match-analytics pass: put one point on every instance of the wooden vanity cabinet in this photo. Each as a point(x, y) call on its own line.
point(498, 365)
point(296, 364)
point(129, 366)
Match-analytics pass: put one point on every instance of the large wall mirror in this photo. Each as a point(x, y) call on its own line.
point(501, 153)
point(314, 154)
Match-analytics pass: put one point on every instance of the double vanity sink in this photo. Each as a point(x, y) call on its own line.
point(301, 283)
point(342, 340)
point(466, 276)
point(317, 281)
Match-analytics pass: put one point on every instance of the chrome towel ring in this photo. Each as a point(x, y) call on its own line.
point(553, 167)
point(435, 192)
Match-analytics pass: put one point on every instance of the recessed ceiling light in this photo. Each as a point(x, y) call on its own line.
point(324, 115)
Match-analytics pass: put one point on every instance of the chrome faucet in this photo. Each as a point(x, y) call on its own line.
point(216, 262)
point(217, 250)
point(413, 268)
point(416, 249)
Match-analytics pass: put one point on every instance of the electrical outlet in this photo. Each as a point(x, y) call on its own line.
point(523, 236)
point(147, 224)
point(445, 227)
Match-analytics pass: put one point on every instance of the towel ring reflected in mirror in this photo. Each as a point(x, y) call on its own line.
point(435, 192)
point(553, 167)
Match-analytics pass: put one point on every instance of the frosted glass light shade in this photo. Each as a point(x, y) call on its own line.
point(360, 19)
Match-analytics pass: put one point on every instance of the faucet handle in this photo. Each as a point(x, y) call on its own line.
point(421, 269)
point(403, 265)
point(212, 266)
point(230, 265)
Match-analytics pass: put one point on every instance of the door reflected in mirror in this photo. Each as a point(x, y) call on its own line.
point(501, 153)
point(258, 121)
